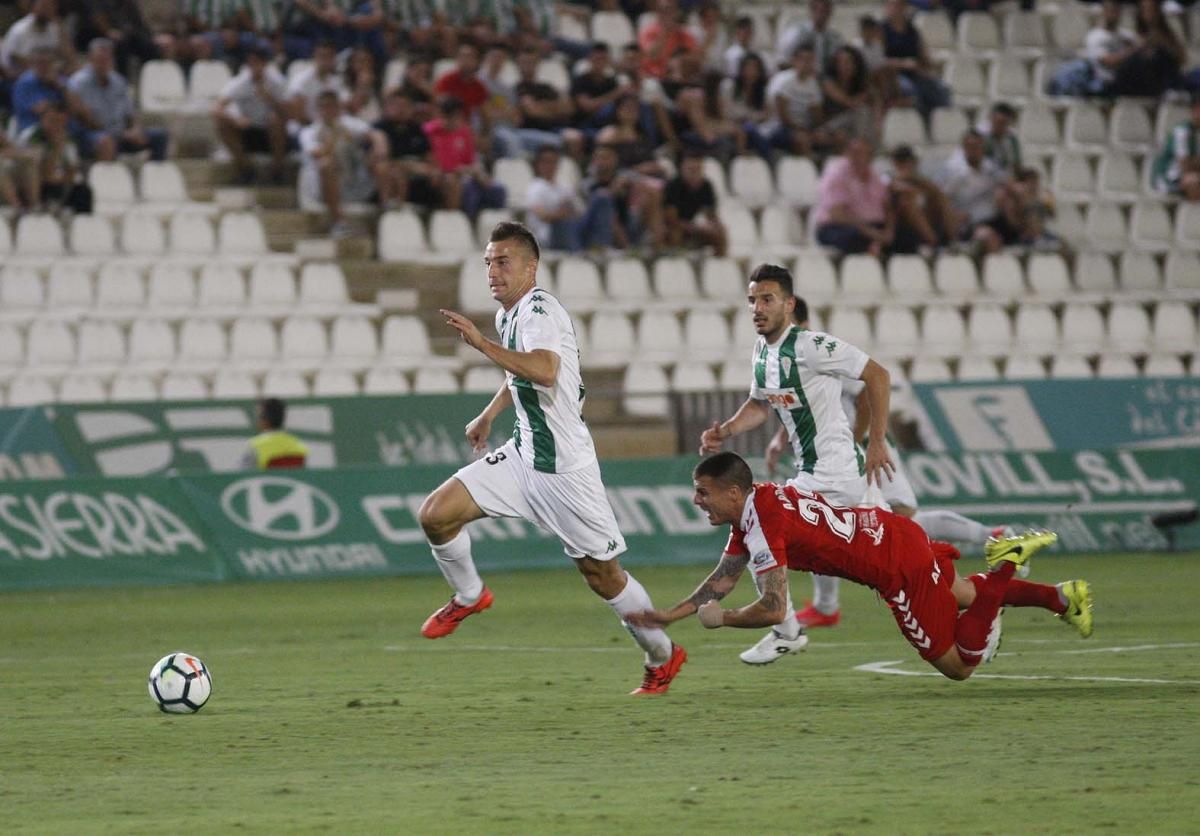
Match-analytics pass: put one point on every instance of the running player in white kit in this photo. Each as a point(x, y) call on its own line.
point(798, 374)
point(547, 473)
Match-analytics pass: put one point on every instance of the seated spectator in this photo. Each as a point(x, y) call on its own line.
point(343, 159)
point(224, 31)
point(59, 183)
point(535, 25)
point(883, 78)
point(104, 96)
point(849, 109)
point(42, 28)
point(743, 45)
point(637, 198)
point(663, 38)
point(744, 99)
point(305, 24)
point(690, 208)
point(40, 86)
point(362, 81)
point(628, 138)
point(1022, 210)
point(545, 113)
point(595, 89)
point(307, 85)
point(1106, 48)
point(795, 96)
point(906, 53)
point(814, 33)
point(1000, 141)
point(1155, 65)
point(971, 182)
point(1177, 164)
point(417, 84)
point(853, 214)
point(468, 186)
point(415, 177)
point(918, 204)
point(558, 217)
point(710, 36)
point(251, 115)
point(122, 22)
point(463, 82)
point(18, 175)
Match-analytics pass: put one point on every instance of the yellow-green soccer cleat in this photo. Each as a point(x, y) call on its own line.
point(1079, 605)
point(1017, 549)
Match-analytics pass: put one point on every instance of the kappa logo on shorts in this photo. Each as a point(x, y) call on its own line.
point(612, 546)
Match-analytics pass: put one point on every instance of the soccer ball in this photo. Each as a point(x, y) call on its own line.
point(180, 683)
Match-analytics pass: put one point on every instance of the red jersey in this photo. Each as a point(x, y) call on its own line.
point(784, 526)
point(470, 90)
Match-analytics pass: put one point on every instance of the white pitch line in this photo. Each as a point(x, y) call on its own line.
point(1128, 648)
point(888, 667)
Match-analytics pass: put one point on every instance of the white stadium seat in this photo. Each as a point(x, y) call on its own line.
point(693, 377)
point(851, 325)
point(450, 232)
point(401, 236)
point(120, 287)
point(302, 342)
point(751, 182)
point(1139, 273)
point(282, 383)
point(183, 387)
point(989, 330)
point(964, 77)
point(39, 235)
point(69, 287)
point(908, 276)
point(334, 383)
point(112, 186)
point(1085, 128)
point(101, 345)
point(815, 278)
point(191, 233)
point(353, 342)
point(903, 126)
point(161, 87)
point(898, 334)
point(796, 180)
point(1072, 178)
point(434, 382)
point(1150, 228)
point(385, 381)
point(272, 287)
point(142, 234)
point(82, 389)
point(1024, 33)
point(1106, 229)
point(612, 340)
point(229, 383)
point(628, 284)
point(943, 333)
point(241, 234)
point(323, 287)
point(577, 280)
point(645, 387)
point(92, 235)
point(483, 380)
point(201, 345)
point(862, 279)
point(151, 344)
point(954, 277)
point(206, 79)
point(1128, 328)
point(976, 368)
point(30, 391)
point(1082, 328)
point(1024, 367)
point(1174, 327)
point(1131, 128)
point(659, 337)
point(1049, 277)
point(223, 287)
point(1164, 365)
point(253, 344)
point(1036, 329)
point(133, 387)
point(978, 34)
point(1069, 366)
point(49, 347)
point(1094, 273)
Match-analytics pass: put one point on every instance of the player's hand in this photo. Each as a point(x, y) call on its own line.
point(774, 454)
point(711, 614)
point(478, 432)
point(647, 618)
point(710, 439)
point(879, 463)
point(465, 327)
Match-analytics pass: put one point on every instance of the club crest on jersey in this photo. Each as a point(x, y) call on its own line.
point(786, 364)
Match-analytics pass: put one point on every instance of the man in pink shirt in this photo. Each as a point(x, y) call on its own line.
point(853, 213)
point(663, 38)
point(468, 186)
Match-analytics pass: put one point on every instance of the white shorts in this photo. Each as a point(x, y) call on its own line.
point(572, 506)
point(845, 492)
point(898, 491)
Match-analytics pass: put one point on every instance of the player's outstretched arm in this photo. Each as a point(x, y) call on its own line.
point(879, 395)
point(539, 366)
point(774, 452)
point(767, 611)
point(749, 415)
point(716, 586)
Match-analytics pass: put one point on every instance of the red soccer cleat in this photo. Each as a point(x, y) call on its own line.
point(446, 620)
point(810, 616)
point(658, 680)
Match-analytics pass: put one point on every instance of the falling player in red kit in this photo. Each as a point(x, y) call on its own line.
point(775, 528)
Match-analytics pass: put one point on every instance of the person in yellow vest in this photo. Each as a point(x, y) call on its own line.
point(274, 447)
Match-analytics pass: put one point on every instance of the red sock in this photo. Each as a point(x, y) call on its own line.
point(971, 632)
point(1025, 594)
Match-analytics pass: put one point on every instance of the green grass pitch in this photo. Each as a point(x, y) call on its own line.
point(331, 714)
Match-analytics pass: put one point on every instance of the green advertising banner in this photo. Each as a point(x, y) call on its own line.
point(30, 448)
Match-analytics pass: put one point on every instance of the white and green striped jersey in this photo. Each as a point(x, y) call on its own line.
point(549, 430)
point(800, 376)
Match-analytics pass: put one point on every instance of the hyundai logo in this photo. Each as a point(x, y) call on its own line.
point(281, 508)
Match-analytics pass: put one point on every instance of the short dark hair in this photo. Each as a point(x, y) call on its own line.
point(1005, 109)
point(800, 314)
point(727, 468)
point(450, 105)
point(508, 230)
point(903, 154)
point(743, 22)
point(273, 412)
point(868, 22)
point(774, 273)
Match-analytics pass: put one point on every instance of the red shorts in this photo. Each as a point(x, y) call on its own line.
point(925, 608)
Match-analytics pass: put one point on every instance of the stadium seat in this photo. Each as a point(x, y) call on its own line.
point(1082, 328)
point(253, 344)
point(112, 186)
point(966, 80)
point(241, 234)
point(69, 287)
point(1164, 365)
point(353, 343)
point(781, 231)
point(908, 277)
point(1131, 128)
point(1169, 115)
point(1036, 329)
point(862, 279)
point(1072, 179)
point(385, 381)
point(741, 229)
point(228, 383)
point(989, 330)
point(929, 370)
point(1174, 327)
point(974, 368)
point(30, 391)
point(1187, 226)
point(302, 343)
point(222, 287)
point(39, 236)
point(612, 340)
point(92, 235)
point(675, 284)
point(401, 236)
point(978, 34)
point(1024, 34)
point(1038, 130)
point(178, 386)
point(851, 325)
point(943, 333)
point(6, 243)
point(693, 377)
point(161, 87)
point(954, 277)
point(796, 180)
point(1116, 366)
point(1008, 79)
point(101, 346)
point(716, 175)
point(706, 336)
point(133, 387)
point(1069, 367)
point(201, 346)
point(751, 182)
point(659, 337)
point(405, 343)
point(1049, 277)
point(323, 288)
point(1069, 27)
point(1085, 128)
point(434, 382)
point(613, 28)
point(897, 331)
point(1139, 273)
point(1024, 367)
point(903, 126)
point(1068, 224)
point(1150, 228)
point(450, 232)
point(272, 288)
point(483, 380)
point(815, 278)
point(577, 280)
point(1094, 274)
point(1128, 328)
point(628, 284)
point(282, 383)
point(142, 234)
point(1105, 229)
point(515, 175)
point(21, 292)
point(162, 187)
point(12, 349)
point(82, 389)
point(206, 80)
point(1118, 177)
point(120, 289)
point(151, 345)
point(334, 383)
point(947, 126)
point(191, 234)
point(645, 386)
point(1182, 271)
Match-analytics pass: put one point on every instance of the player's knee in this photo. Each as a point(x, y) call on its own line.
point(435, 519)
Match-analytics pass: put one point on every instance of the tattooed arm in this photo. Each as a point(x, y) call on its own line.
point(768, 610)
point(716, 586)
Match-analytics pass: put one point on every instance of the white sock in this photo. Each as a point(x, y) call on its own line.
point(952, 527)
point(825, 594)
point(454, 559)
point(653, 640)
point(789, 628)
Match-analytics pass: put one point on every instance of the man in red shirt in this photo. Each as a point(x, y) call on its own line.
point(662, 38)
point(775, 528)
point(463, 82)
